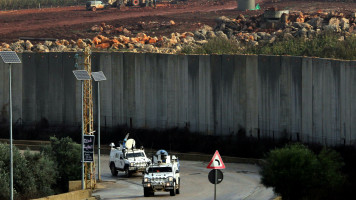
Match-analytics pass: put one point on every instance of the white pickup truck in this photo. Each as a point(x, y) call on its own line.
point(162, 175)
point(128, 159)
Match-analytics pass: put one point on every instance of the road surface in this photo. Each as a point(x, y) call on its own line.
point(241, 181)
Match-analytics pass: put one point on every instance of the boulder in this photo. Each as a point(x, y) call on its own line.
point(344, 24)
point(221, 34)
point(316, 22)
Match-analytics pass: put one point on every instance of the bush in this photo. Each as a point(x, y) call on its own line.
point(33, 174)
point(296, 172)
point(67, 156)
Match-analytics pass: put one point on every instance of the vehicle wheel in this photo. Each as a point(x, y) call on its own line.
point(135, 2)
point(93, 8)
point(127, 173)
point(178, 189)
point(113, 169)
point(146, 192)
point(173, 191)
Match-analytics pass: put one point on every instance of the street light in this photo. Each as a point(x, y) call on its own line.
point(98, 76)
point(10, 57)
point(82, 75)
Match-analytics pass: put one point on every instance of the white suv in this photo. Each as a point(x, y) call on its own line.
point(161, 177)
point(128, 160)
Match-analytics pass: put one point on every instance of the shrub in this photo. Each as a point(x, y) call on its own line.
point(296, 172)
point(33, 174)
point(67, 156)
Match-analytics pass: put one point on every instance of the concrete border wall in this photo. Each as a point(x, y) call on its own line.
point(305, 99)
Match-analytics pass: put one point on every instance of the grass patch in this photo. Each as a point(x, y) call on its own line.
point(327, 45)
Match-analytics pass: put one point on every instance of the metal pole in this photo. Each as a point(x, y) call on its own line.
point(82, 136)
point(99, 173)
point(216, 180)
point(11, 153)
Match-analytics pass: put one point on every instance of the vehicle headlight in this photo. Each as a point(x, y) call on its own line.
point(131, 164)
point(170, 179)
point(146, 180)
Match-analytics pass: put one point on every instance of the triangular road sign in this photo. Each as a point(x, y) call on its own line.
point(216, 162)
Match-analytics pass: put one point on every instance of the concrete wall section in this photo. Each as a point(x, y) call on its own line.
point(305, 99)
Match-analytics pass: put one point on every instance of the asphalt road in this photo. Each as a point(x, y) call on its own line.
point(241, 181)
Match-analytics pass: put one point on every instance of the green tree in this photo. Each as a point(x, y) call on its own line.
point(67, 156)
point(295, 172)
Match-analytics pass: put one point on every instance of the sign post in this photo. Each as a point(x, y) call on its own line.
point(89, 148)
point(216, 163)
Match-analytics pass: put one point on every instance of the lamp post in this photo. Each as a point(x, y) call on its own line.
point(98, 76)
point(82, 75)
point(10, 57)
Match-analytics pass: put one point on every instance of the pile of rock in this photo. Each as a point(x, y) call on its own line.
point(255, 30)
point(259, 30)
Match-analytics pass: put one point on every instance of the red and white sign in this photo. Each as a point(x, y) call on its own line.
point(216, 162)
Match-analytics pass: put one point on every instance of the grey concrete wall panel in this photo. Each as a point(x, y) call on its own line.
point(72, 97)
point(227, 78)
point(252, 95)
point(4, 92)
point(161, 99)
point(307, 99)
point(239, 94)
point(151, 91)
point(206, 120)
point(331, 97)
point(318, 66)
point(193, 92)
point(129, 87)
point(182, 91)
point(172, 91)
point(352, 84)
point(56, 88)
point(106, 90)
point(29, 88)
point(345, 102)
point(42, 87)
point(117, 60)
point(269, 72)
point(285, 97)
point(216, 62)
point(291, 96)
point(140, 81)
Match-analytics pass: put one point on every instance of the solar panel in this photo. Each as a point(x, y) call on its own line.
point(98, 76)
point(81, 75)
point(9, 57)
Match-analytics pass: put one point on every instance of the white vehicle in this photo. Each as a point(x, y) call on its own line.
point(127, 158)
point(162, 175)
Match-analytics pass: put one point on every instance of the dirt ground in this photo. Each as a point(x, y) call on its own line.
point(75, 22)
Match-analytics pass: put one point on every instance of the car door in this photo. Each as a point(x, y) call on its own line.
point(121, 163)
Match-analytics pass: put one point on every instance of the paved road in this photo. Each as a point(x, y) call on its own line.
point(241, 181)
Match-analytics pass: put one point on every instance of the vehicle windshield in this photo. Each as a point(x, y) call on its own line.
point(131, 155)
point(159, 169)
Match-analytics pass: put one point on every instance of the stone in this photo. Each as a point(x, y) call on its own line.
point(28, 45)
point(334, 22)
point(201, 42)
point(138, 45)
point(148, 47)
point(41, 48)
point(48, 43)
point(210, 35)
point(199, 36)
point(221, 34)
point(316, 22)
point(344, 24)
point(301, 25)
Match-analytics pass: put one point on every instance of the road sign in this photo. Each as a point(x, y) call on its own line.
point(89, 148)
point(211, 176)
point(216, 162)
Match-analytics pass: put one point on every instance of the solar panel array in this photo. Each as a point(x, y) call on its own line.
point(98, 76)
point(9, 57)
point(81, 75)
